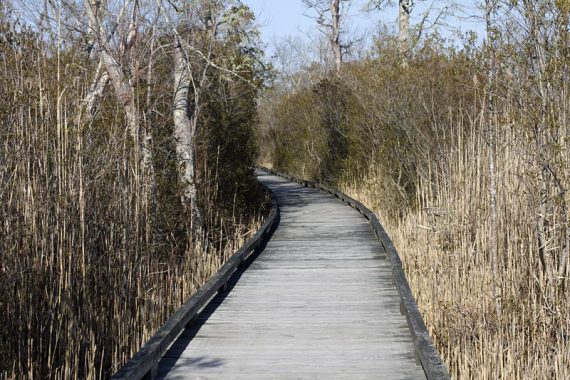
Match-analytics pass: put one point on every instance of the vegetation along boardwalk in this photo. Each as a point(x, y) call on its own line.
point(318, 302)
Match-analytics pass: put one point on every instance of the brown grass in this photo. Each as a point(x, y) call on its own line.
point(86, 277)
point(443, 245)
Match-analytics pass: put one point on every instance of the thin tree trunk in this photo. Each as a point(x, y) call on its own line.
point(335, 34)
point(184, 130)
point(541, 226)
point(564, 48)
point(492, 141)
point(405, 8)
point(538, 63)
point(150, 71)
point(563, 263)
point(124, 91)
point(97, 89)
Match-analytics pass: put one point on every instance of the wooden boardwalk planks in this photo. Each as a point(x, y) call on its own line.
point(318, 302)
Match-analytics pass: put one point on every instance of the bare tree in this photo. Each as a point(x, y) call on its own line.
point(404, 10)
point(185, 118)
point(101, 78)
point(191, 67)
point(329, 15)
point(335, 34)
point(544, 55)
point(298, 63)
point(432, 16)
point(539, 30)
point(97, 89)
point(119, 73)
point(184, 131)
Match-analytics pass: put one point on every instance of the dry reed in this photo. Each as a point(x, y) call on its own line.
point(443, 244)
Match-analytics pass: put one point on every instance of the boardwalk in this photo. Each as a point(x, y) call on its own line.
point(317, 303)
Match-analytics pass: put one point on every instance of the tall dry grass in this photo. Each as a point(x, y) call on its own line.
point(443, 244)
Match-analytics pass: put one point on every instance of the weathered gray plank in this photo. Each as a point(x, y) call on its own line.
point(317, 303)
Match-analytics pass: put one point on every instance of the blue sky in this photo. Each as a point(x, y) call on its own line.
point(281, 18)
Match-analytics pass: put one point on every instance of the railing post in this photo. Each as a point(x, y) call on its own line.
point(152, 373)
point(223, 288)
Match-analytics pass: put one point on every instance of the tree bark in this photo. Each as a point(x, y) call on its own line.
point(124, 91)
point(97, 89)
point(539, 66)
point(564, 48)
point(405, 8)
point(335, 34)
point(185, 122)
point(492, 141)
point(184, 131)
point(150, 70)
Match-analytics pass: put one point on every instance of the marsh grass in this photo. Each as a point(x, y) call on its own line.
point(443, 244)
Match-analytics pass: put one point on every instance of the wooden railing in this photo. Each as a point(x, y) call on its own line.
point(144, 364)
point(426, 352)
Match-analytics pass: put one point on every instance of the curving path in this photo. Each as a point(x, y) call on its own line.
point(317, 303)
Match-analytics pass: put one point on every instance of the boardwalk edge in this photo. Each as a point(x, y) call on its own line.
point(426, 352)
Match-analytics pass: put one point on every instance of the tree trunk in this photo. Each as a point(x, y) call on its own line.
point(492, 141)
point(150, 71)
point(546, 156)
point(125, 96)
point(124, 91)
point(184, 130)
point(564, 48)
point(405, 8)
point(563, 265)
point(563, 262)
point(335, 34)
point(97, 89)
